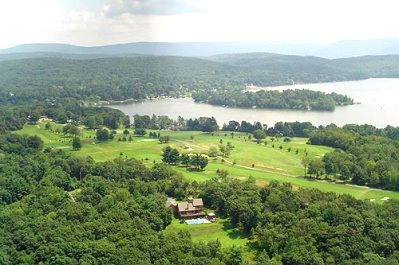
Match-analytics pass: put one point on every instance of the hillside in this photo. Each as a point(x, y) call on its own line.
point(311, 69)
point(110, 78)
point(139, 77)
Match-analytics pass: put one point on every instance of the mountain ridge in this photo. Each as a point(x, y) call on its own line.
point(341, 49)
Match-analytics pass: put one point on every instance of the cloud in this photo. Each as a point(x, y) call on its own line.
point(151, 7)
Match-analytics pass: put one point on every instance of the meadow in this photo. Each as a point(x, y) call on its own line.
point(277, 160)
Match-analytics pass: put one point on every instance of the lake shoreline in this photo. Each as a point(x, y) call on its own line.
point(377, 96)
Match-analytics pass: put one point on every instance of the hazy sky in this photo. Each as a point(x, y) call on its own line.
point(98, 22)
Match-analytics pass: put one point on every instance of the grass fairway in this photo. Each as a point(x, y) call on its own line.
point(263, 162)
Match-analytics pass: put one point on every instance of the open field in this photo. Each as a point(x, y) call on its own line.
point(263, 162)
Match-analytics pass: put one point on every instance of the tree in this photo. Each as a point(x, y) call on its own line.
point(199, 161)
point(305, 162)
point(222, 173)
point(34, 116)
point(140, 131)
point(76, 144)
point(47, 126)
point(71, 129)
point(259, 134)
point(226, 149)
point(102, 134)
point(142, 121)
point(170, 155)
point(185, 159)
point(164, 139)
point(213, 152)
point(92, 122)
point(35, 142)
point(316, 166)
point(210, 125)
point(235, 257)
point(203, 162)
point(125, 132)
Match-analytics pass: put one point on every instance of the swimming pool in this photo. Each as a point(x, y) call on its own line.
point(197, 221)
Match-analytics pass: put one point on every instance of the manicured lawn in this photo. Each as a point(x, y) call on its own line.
point(220, 230)
point(262, 162)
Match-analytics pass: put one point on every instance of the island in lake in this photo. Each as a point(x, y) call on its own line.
point(301, 99)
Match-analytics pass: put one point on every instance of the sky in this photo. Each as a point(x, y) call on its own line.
point(101, 22)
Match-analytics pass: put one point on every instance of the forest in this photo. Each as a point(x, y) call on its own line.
point(110, 78)
point(300, 99)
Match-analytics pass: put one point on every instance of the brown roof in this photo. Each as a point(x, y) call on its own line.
point(198, 202)
point(185, 206)
point(170, 202)
point(188, 206)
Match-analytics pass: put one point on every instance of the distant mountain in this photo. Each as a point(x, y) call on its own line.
point(28, 55)
point(189, 49)
point(353, 48)
point(340, 49)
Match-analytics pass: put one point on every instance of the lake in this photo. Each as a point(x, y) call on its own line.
point(379, 106)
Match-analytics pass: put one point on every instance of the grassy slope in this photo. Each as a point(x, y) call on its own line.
point(270, 163)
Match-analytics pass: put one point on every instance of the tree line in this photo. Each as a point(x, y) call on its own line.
point(154, 122)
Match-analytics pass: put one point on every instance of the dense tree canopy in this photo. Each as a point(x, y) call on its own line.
point(362, 159)
point(307, 226)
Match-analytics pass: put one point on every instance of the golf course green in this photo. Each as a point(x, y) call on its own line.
point(277, 160)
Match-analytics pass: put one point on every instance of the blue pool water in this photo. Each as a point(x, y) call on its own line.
point(197, 221)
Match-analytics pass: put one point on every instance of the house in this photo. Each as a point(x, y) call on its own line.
point(171, 204)
point(191, 208)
